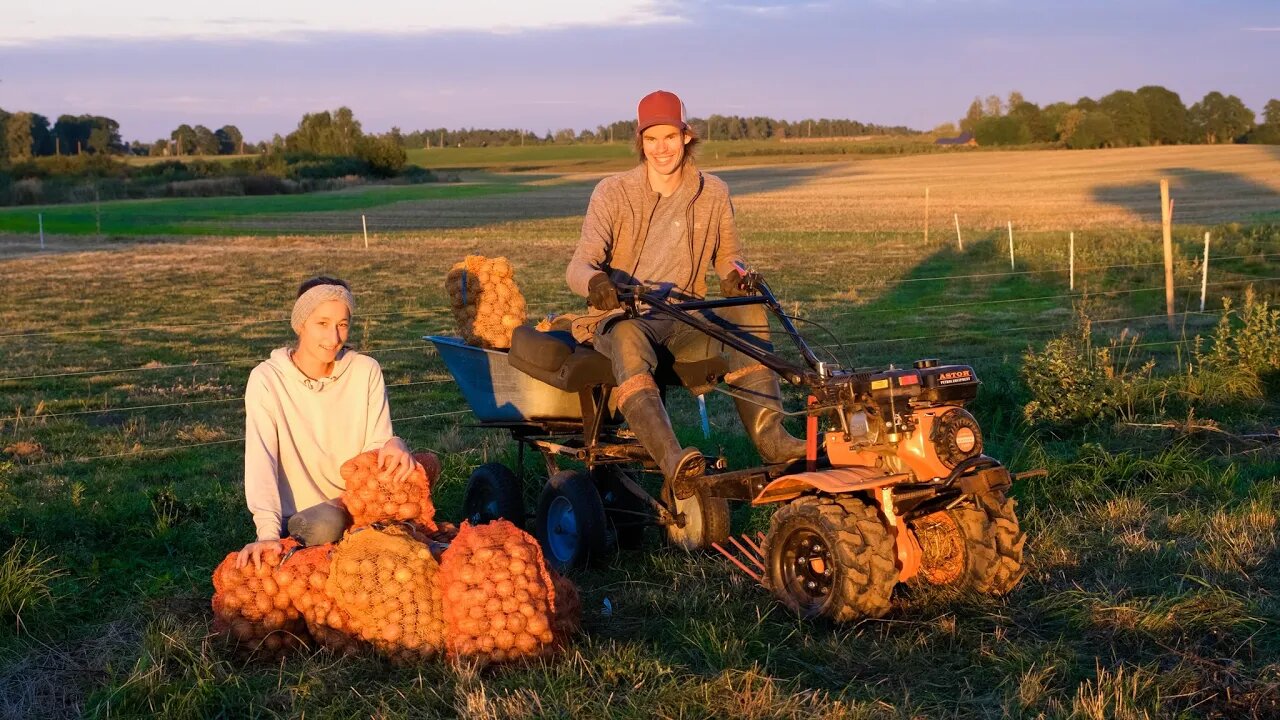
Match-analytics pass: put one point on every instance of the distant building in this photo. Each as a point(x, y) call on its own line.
point(961, 139)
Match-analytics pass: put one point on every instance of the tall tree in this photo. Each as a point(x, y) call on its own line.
point(1220, 119)
point(1030, 116)
point(1007, 130)
point(230, 141)
point(1129, 116)
point(993, 107)
point(972, 116)
point(1069, 123)
point(104, 136)
point(1167, 114)
point(4, 135)
point(325, 133)
point(71, 133)
point(184, 140)
point(1096, 130)
point(1271, 113)
point(1052, 115)
point(1015, 99)
point(19, 137)
point(206, 141)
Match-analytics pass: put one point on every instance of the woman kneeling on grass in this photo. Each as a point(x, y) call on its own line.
point(309, 409)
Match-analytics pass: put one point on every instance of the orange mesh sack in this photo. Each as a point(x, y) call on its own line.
point(568, 610)
point(487, 304)
point(371, 497)
point(500, 599)
point(303, 576)
point(250, 607)
point(386, 583)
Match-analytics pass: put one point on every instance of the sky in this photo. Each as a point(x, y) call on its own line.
point(413, 64)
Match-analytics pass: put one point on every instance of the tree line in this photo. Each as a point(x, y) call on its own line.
point(713, 127)
point(1150, 115)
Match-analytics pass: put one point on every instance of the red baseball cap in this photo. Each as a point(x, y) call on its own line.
point(660, 108)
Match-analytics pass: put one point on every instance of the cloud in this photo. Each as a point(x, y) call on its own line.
point(40, 22)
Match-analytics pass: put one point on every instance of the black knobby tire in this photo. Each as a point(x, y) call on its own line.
point(858, 565)
point(571, 524)
point(707, 519)
point(1007, 541)
point(990, 544)
point(628, 514)
point(493, 492)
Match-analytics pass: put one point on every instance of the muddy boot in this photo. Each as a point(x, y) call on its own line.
point(647, 418)
point(762, 417)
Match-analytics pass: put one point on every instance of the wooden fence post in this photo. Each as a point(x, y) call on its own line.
point(1166, 222)
point(1204, 277)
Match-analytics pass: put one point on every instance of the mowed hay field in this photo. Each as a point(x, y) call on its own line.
point(1153, 562)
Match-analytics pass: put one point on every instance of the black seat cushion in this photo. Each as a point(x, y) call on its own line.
point(558, 360)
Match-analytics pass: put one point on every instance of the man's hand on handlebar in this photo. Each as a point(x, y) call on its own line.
point(740, 282)
point(602, 293)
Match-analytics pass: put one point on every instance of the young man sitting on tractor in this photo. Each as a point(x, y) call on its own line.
point(662, 225)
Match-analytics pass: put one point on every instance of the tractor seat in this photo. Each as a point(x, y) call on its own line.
point(558, 360)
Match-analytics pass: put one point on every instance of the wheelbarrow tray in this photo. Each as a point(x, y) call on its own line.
point(499, 393)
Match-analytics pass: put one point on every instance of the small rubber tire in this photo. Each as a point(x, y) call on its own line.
point(571, 525)
point(977, 545)
point(493, 492)
point(707, 519)
point(858, 570)
point(621, 506)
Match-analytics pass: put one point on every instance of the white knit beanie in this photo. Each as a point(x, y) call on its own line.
point(314, 298)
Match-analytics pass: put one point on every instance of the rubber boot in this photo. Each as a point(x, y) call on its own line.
point(762, 417)
point(647, 417)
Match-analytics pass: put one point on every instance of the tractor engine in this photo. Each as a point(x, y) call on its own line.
point(905, 421)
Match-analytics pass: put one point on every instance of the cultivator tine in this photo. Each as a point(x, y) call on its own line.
point(750, 551)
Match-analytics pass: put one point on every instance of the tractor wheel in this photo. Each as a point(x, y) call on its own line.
point(571, 525)
point(706, 519)
point(978, 545)
point(493, 492)
point(628, 514)
point(831, 557)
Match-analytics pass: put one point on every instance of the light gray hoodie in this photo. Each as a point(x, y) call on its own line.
point(299, 432)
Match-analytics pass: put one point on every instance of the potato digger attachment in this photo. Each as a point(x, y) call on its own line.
point(894, 485)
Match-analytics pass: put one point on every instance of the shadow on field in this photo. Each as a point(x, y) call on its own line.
point(1199, 196)
point(567, 201)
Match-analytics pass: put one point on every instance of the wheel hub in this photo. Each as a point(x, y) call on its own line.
point(562, 530)
point(807, 567)
point(942, 548)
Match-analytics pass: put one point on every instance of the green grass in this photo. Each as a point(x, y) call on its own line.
point(205, 216)
point(601, 157)
point(1153, 562)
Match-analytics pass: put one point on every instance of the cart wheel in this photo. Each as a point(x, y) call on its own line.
point(628, 514)
point(571, 525)
point(706, 519)
point(493, 492)
point(831, 557)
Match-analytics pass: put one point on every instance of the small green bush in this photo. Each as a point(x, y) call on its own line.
point(1073, 381)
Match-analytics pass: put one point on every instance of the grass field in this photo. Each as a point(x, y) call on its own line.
point(1153, 559)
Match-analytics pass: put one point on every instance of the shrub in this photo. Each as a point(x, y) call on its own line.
point(1246, 338)
point(1073, 381)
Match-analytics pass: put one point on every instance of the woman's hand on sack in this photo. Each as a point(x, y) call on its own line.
point(395, 460)
point(255, 551)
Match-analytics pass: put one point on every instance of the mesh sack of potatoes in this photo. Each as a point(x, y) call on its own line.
point(568, 607)
point(487, 305)
point(303, 575)
point(250, 607)
point(500, 599)
point(386, 583)
point(373, 496)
